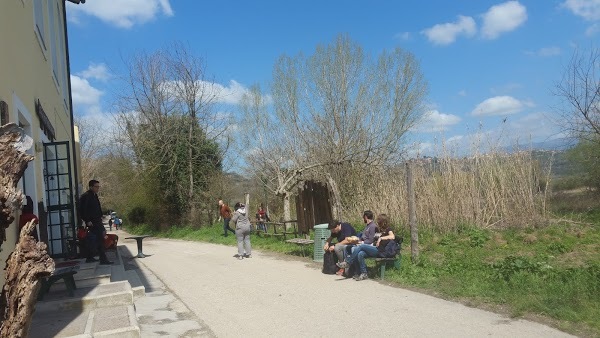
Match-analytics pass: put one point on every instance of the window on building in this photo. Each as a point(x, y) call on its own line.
point(38, 12)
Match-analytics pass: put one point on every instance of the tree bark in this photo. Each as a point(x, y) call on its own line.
point(287, 215)
point(29, 261)
point(24, 269)
point(13, 162)
point(336, 203)
point(412, 214)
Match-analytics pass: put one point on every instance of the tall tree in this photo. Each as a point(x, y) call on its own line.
point(335, 106)
point(168, 116)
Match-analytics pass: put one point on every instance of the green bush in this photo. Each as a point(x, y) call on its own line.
point(137, 215)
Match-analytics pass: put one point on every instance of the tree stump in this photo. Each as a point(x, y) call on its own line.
point(24, 268)
point(30, 261)
point(13, 162)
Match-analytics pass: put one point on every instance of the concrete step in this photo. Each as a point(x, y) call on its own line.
point(103, 295)
point(116, 321)
point(138, 288)
point(87, 277)
point(120, 274)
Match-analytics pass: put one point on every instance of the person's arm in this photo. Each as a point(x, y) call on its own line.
point(389, 236)
point(327, 243)
point(235, 217)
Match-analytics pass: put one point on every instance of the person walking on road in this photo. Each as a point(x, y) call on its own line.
point(90, 212)
point(225, 212)
point(242, 231)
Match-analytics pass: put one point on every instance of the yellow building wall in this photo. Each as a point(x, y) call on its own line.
point(26, 75)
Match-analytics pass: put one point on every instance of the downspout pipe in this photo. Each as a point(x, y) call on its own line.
point(73, 148)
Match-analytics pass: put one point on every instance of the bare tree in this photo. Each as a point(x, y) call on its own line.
point(167, 114)
point(336, 106)
point(580, 88)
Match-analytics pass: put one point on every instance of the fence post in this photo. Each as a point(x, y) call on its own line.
point(412, 213)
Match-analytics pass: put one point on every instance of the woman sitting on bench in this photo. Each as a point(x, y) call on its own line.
point(370, 250)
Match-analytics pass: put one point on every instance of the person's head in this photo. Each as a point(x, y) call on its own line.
point(28, 208)
point(383, 222)
point(221, 202)
point(260, 207)
point(239, 205)
point(335, 226)
point(94, 185)
point(367, 216)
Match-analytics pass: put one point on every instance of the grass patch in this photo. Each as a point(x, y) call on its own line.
point(550, 274)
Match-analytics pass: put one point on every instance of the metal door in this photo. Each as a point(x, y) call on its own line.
point(59, 197)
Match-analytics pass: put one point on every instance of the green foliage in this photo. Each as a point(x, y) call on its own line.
point(477, 238)
point(587, 155)
point(137, 215)
point(512, 265)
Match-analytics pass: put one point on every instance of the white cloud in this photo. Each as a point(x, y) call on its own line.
point(447, 33)
point(592, 30)
point(545, 52)
point(405, 36)
point(125, 14)
point(434, 121)
point(587, 9)
point(86, 98)
point(500, 105)
point(96, 71)
point(503, 18)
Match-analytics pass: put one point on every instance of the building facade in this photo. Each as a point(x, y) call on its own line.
point(35, 93)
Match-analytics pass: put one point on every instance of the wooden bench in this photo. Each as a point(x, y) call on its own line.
point(381, 263)
point(301, 242)
point(278, 229)
point(65, 274)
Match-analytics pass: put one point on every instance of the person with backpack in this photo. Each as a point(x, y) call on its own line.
point(370, 250)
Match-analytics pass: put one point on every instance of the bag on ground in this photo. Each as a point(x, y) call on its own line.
point(329, 266)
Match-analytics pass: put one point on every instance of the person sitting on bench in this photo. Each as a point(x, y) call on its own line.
point(341, 231)
point(369, 249)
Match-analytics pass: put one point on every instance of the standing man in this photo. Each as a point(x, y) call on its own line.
point(90, 212)
point(225, 212)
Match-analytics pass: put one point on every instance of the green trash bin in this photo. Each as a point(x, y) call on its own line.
point(321, 234)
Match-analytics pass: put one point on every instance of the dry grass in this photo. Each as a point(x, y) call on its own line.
point(496, 189)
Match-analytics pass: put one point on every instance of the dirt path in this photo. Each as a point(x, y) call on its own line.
point(270, 296)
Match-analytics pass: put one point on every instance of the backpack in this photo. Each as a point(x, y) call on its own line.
point(391, 249)
point(329, 266)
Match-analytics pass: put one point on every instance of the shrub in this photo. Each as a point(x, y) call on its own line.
point(137, 215)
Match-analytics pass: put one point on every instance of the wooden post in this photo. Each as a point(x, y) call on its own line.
point(247, 202)
point(412, 214)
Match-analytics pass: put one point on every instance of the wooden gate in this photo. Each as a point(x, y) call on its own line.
point(313, 205)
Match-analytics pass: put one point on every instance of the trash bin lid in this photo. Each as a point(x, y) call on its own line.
point(322, 226)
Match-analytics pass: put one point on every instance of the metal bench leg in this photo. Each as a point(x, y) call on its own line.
point(70, 284)
point(139, 246)
point(382, 270)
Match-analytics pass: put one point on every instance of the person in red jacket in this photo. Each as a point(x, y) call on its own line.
point(225, 212)
point(28, 215)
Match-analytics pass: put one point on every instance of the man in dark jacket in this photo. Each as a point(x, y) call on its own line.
point(340, 231)
point(90, 212)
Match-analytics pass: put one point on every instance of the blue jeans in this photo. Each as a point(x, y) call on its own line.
point(359, 253)
point(226, 226)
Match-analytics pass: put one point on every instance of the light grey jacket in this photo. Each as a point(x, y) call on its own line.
point(241, 221)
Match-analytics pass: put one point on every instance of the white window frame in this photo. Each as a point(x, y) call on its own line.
point(38, 24)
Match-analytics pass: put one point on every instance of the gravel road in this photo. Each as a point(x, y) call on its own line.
point(279, 296)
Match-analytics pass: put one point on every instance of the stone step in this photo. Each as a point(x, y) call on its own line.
point(116, 321)
point(103, 295)
point(87, 278)
point(138, 288)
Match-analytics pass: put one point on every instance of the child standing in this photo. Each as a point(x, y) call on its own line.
point(242, 231)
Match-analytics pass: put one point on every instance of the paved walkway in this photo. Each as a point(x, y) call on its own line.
point(273, 295)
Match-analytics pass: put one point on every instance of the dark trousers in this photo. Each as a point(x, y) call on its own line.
point(226, 226)
point(98, 243)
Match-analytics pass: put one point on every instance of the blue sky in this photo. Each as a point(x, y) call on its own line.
point(491, 65)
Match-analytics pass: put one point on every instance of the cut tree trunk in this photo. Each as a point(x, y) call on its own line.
point(24, 269)
point(30, 261)
point(13, 162)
